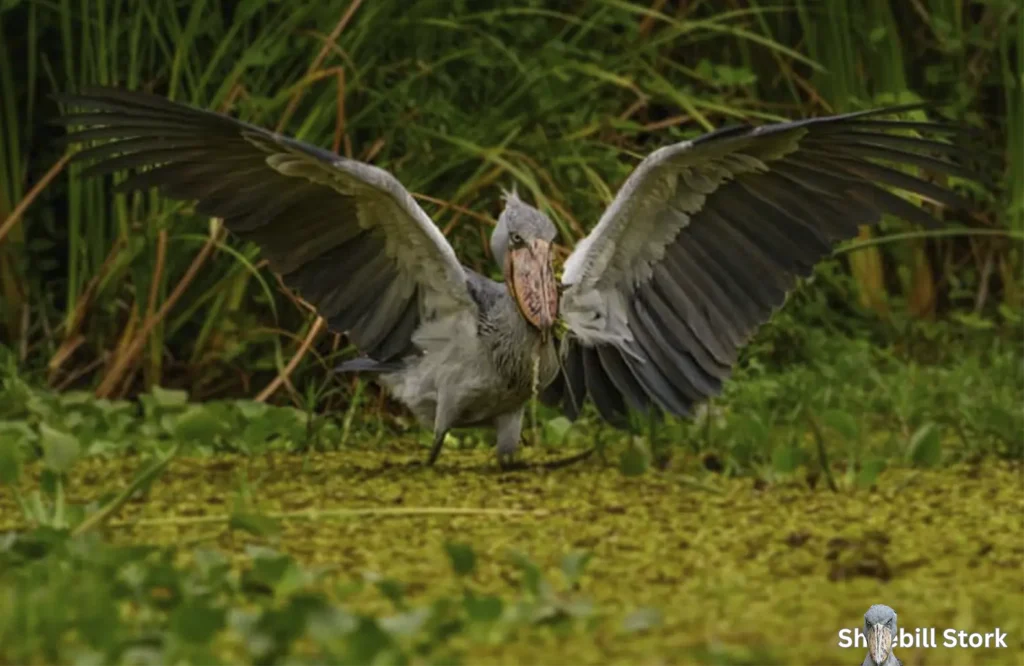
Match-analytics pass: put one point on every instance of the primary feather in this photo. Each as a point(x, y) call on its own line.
point(707, 236)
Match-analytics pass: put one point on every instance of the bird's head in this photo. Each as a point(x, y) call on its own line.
point(879, 628)
point(521, 243)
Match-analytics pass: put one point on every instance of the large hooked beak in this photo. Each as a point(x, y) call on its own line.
point(879, 642)
point(531, 280)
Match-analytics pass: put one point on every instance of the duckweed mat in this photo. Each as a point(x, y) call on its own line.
point(731, 572)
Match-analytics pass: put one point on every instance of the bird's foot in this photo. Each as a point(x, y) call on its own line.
point(568, 460)
point(509, 462)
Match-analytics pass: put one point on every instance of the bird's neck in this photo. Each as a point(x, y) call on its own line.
point(520, 342)
point(512, 317)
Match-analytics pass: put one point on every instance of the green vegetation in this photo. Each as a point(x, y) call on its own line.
point(118, 294)
point(182, 481)
point(166, 530)
point(609, 568)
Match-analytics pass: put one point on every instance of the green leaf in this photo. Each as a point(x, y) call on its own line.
point(195, 621)
point(12, 432)
point(556, 429)
point(60, 449)
point(76, 398)
point(367, 642)
point(269, 568)
point(301, 607)
point(462, 557)
point(158, 403)
point(169, 397)
point(212, 564)
point(926, 446)
point(250, 409)
point(574, 563)
point(786, 458)
point(1011, 314)
point(533, 580)
point(162, 584)
point(286, 422)
point(842, 422)
point(10, 463)
point(197, 423)
point(393, 590)
point(972, 320)
point(36, 510)
point(49, 482)
point(869, 471)
point(485, 608)
point(634, 461)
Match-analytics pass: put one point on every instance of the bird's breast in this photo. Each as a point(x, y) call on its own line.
point(533, 367)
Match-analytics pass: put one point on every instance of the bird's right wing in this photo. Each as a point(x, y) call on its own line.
point(345, 235)
point(707, 236)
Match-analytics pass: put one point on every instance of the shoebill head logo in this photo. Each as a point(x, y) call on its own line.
point(879, 629)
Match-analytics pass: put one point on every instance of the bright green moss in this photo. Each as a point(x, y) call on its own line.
point(747, 576)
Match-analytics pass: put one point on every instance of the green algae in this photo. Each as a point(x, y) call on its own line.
point(754, 573)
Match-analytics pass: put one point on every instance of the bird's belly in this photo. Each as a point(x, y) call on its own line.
point(513, 384)
point(484, 407)
point(479, 402)
point(472, 381)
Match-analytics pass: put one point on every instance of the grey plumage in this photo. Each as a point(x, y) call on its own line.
point(706, 237)
point(880, 628)
point(700, 245)
point(493, 376)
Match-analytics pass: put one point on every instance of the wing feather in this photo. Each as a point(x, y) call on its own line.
point(607, 398)
point(345, 235)
point(706, 238)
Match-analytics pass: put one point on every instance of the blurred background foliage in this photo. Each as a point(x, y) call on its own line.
point(459, 98)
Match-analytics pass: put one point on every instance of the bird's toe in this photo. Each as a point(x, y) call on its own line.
point(510, 461)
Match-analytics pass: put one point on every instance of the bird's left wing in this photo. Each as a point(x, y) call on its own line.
point(707, 236)
point(345, 235)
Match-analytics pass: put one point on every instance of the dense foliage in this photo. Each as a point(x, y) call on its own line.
point(457, 99)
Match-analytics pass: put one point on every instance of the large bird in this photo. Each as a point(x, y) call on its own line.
point(699, 246)
point(879, 630)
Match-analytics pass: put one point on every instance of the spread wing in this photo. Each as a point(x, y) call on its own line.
point(707, 236)
point(345, 235)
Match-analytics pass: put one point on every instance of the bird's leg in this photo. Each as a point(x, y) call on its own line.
point(444, 416)
point(435, 450)
point(509, 427)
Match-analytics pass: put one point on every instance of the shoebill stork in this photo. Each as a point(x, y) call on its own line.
point(880, 629)
point(699, 246)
